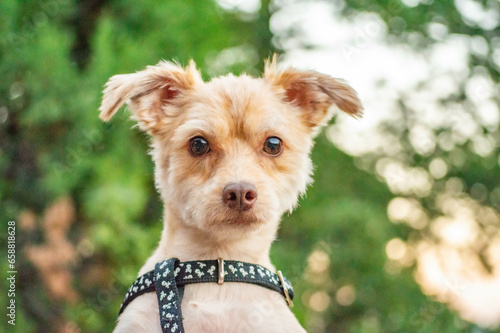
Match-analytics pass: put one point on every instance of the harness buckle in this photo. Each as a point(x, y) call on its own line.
point(220, 261)
point(285, 290)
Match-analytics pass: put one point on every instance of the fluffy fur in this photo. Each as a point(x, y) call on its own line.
point(235, 115)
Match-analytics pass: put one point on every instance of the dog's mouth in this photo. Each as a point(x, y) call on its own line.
point(241, 219)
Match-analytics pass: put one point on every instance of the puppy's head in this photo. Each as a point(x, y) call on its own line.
point(232, 154)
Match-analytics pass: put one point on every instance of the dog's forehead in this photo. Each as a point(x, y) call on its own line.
point(238, 106)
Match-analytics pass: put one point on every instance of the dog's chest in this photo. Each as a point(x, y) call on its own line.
point(236, 307)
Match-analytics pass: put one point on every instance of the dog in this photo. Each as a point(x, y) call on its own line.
point(231, 156)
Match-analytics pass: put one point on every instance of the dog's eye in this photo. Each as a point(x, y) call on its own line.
point(199, 146)
point(273, 146)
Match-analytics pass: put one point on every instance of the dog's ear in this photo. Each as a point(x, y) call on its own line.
point(314, 93)
point(148, 92)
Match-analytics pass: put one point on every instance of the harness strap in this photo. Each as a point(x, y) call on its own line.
point(171, 274)
point(169, 301)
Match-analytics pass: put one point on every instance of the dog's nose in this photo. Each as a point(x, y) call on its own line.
point(239, 196)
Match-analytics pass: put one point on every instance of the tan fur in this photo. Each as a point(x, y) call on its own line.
point(235, 115)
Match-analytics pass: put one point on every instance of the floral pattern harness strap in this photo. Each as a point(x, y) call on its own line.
point(170, 276)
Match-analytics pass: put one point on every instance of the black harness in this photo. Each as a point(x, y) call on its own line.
point(170, 276)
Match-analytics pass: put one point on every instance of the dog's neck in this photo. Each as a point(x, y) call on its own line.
point(182, 241)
